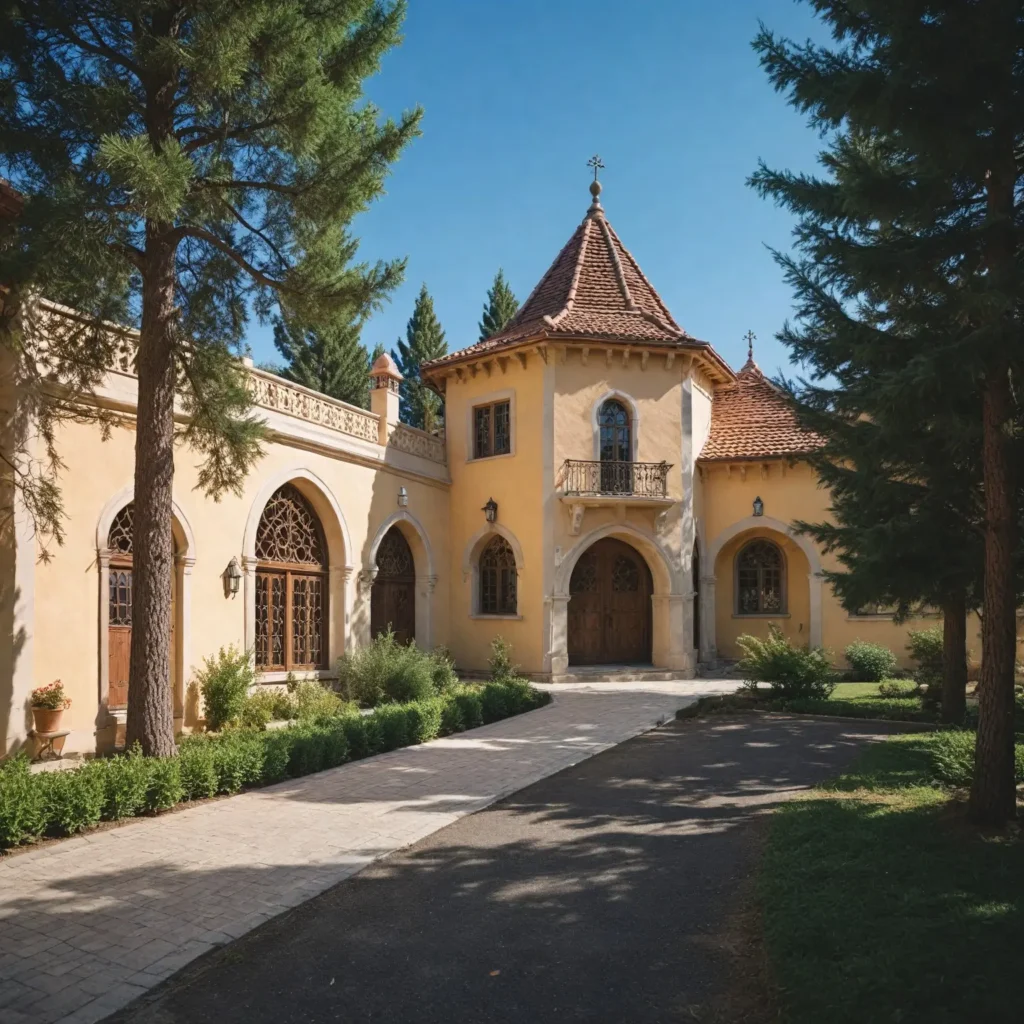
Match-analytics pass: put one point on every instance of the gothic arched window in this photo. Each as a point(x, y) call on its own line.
point(616, 448)
point(760, 576)
point(291, 585)
point(498, 579)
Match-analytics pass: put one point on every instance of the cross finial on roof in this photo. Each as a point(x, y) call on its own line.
point(595, 186)
point(750, 337)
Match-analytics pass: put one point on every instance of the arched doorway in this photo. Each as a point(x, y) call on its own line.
point(609, 614)
point(291, 585)
point(393, 595)
point(120, 607)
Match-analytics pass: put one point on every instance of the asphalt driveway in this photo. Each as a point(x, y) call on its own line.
point(607, 892)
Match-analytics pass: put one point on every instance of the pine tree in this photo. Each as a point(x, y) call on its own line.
point(937, 87)
point(424, 340)
point(179, 162)
point(500, 307)
point(331, 361)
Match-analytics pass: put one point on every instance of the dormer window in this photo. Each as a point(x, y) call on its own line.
point(492, 434)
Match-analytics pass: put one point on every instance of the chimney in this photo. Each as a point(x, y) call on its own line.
point(384, 384)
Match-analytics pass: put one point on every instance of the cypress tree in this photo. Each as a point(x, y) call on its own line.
point(179, 162)
point(500, 307)
point(936, 86)
point(331, 361)
point(424, 340)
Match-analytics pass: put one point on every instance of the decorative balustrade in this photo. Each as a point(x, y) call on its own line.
point(404, 438)
point(628, 479)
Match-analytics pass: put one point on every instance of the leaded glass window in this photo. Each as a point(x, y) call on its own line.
point(498, 581)
point(759, 579)
point(291, 585)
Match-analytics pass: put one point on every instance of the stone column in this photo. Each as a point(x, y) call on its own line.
point(815, 582)
point(249, 595)
point(708, 642)
point(556, 661)
point(183, 627)
point(425, 586)
point(337, 585)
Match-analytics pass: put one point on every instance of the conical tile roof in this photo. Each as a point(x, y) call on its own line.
point(594, 289)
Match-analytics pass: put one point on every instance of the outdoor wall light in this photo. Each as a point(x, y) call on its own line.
point(403, 498)
point(758, 507)
point(490, 510)
point(232, 577)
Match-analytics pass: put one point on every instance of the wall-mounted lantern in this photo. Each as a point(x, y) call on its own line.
point(758, 507)
point(232, 578)
point(490, 510)
point(403, 498)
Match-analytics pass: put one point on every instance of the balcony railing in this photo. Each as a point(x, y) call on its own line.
point(628, 479)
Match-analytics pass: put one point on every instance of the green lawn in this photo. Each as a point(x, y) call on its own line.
point(862, 700)
point(880, 904)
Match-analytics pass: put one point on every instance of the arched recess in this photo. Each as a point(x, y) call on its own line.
point(110, 721)
point(471, 560)
point(670, 648)
point(426, 574)
point(767, 526)
point(634, 421)
point(339, 551)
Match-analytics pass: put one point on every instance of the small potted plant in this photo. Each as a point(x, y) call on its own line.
point(48, 705)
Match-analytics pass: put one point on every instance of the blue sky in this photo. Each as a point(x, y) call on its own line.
point(517, 94)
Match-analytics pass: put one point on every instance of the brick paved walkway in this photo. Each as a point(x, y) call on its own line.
point(89, 924)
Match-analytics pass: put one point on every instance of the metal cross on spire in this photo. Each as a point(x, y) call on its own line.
point(750, 337)
point(596, 164)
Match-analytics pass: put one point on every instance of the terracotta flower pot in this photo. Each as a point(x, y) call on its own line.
point(47, 719)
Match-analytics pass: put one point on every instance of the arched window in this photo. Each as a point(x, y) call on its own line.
point(760, 576)
point(615, 448)
point(498, 579)
point(291, 585)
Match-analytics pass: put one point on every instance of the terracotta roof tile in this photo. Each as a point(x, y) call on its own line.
point(595, 289)
point(750, 419)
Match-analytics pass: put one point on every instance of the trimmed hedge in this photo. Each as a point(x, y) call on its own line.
point(109, 789)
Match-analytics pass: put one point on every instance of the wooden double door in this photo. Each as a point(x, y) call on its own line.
point(609, 614)
point(393, 597)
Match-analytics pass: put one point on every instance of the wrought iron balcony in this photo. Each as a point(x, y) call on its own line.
point(615, 479)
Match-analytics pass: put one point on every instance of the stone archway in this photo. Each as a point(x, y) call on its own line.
point(610, 614)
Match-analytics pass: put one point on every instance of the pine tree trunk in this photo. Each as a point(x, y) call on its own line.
point(954, 659)
point(150, 701)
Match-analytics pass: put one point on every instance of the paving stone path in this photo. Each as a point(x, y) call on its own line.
point(89, 924)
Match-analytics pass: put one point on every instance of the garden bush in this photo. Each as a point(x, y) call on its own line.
point(925, 647)
point(22, 807)
point(387, 671)
point(65, 802)
point(443, 670)
point(790, 671)
point(125, 783)
point(953, 758)
point(224, 682)
point(871, 663)
point(259, 708)
point(311, 700)
point(893, 689)
point(500, 662)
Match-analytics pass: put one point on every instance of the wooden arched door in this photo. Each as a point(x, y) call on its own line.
point(609, 616)
point(120, 592)
point(393, 597)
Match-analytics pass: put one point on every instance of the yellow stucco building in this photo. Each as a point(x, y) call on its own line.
point(609, 492)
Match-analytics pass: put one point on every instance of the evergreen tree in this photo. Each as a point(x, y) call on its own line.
point(932, 233)
point(331, 361)
point(424, 340)
point(500, 307)
point(179, 161)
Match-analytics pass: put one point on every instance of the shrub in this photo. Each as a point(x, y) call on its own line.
point(953, 758)
point(276, 756)
point(521, 696)
point(386, 670)
point(471, 709)
point(73, 799)
point(315, 747)
point(790, 671)
point(893, 689)
point(443, 670)
point(356, 735)
point(500, 661)
point(423, 719)
point(394, 726)
point(493, 701)
point(197, 769)
point(229, 766)
point(164, 789)
point(258, 709)
point(125, 781)
point(224, 682)
point(312, 700)
point(451, 718)
point(925, 647)
point(22, 809)
point(871, 663)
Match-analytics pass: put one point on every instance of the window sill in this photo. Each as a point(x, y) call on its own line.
point(762, 615)
point(506, 618)
point(491, 458)
point(300, 674)
point(872, 617)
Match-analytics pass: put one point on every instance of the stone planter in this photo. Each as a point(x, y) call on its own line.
point(47, 719)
